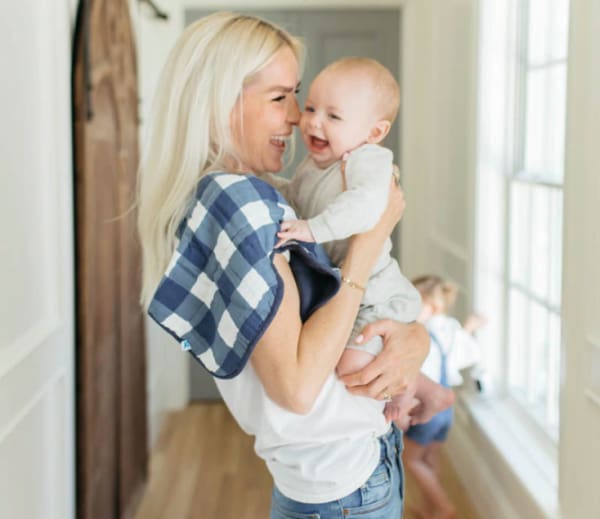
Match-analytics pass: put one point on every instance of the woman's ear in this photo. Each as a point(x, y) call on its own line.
point(379, 131)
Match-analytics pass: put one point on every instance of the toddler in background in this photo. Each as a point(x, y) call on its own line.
point(453, 348)
point(341, 189)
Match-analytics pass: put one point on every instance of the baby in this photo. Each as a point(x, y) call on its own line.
point(341, 189)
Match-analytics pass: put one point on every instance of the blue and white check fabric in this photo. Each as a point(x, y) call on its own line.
point(221, 289)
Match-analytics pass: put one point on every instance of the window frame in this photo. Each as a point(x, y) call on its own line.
point(514, 173)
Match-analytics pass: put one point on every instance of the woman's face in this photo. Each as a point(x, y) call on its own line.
point(263, 126)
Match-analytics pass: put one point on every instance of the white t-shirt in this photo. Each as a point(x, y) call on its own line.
point(317, 457)
point(460, 348)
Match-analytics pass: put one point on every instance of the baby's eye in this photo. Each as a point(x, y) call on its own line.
point(335, 117)
point(309, 109)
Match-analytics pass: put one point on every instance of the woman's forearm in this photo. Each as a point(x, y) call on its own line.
point(293, 360)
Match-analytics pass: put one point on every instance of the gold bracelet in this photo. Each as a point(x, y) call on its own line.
point(352, 284)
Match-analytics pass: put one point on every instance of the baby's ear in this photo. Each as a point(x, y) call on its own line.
point(379, 131)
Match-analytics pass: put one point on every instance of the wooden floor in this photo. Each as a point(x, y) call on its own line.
point(204, 467)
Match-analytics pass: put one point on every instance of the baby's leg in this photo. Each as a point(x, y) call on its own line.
point(356, 356)
point(399, 409)
point(399, 406)
point(433, 398)
point(353, 360)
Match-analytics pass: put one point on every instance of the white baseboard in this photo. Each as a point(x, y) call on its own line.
point(494, 486)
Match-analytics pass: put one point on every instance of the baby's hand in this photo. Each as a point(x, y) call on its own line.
point(294, 230)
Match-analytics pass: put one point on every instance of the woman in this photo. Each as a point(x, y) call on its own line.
point(270, 324)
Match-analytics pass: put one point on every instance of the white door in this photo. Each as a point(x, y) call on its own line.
point(36, 279)
point(328, 34)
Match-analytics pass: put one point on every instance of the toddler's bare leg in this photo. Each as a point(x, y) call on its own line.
point(416, 458)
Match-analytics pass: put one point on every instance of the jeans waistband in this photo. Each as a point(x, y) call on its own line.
point(391, 443)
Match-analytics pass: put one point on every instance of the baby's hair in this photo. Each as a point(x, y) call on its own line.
point(386, 89)
point(433, 287)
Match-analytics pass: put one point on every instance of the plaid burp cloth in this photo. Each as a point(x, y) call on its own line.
point(221, 290)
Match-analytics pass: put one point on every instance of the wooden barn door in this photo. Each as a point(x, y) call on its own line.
point(111, 380)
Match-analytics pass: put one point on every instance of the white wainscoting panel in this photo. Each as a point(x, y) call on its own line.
point(37, 442)
point(592, 390)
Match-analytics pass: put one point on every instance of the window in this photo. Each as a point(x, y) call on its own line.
point(519, 238)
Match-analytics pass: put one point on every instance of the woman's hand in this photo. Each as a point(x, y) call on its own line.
point(397, 367)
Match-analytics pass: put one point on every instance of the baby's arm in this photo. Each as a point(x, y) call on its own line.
point(368, 173)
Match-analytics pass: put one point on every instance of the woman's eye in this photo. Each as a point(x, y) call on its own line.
point(279, 98)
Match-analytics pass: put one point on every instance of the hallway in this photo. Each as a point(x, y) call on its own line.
point(204, 467)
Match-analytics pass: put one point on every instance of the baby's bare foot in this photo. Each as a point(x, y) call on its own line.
point(439, 400)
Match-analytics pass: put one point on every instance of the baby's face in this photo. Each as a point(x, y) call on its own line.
point(338, 116)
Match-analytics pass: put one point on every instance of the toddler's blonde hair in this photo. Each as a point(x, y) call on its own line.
point(434, 288)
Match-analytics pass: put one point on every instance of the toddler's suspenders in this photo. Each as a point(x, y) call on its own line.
point(443, 360)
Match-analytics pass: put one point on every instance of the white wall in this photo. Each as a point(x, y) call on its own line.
point(438, 125)
point(167, 376)
point(37, 442)
point(580, 419)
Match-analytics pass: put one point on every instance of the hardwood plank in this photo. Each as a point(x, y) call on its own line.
point(205, 467)
point(452, 485)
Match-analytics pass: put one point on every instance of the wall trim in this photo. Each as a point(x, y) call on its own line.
point(494, 485)
point(592, 391)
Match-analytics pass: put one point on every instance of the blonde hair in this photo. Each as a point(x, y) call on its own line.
point(434, 288)
point(385, 88)
point(189, 131)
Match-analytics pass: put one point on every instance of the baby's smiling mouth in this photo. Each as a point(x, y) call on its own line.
point(317, 143)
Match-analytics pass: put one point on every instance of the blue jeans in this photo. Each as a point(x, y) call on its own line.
point(381, 497)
